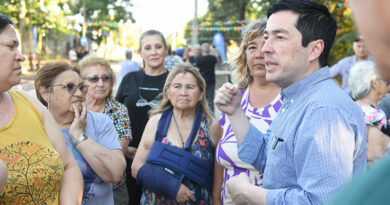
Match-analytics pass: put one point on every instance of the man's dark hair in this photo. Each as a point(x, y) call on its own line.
point(314, 22)
point(4, 22)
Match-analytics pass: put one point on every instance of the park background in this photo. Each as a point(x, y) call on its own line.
point(48, 29)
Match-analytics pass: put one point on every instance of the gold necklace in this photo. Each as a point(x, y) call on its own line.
point(178, 130)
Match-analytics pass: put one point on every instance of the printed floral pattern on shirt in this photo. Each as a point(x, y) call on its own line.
point(201, 148)
point(374, 116)
point(34, 174)
point(120, 117)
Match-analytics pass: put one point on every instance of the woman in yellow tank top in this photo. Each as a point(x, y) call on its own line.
point(32, 148)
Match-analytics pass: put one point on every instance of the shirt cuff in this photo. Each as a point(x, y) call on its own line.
point(251, 145)
point(273, 196)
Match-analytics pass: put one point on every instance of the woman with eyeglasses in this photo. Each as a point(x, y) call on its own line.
point(139, 92)
point(368, 88)
point(174, 162)
point(40, 168)
point(99, 76)
point(91, 137)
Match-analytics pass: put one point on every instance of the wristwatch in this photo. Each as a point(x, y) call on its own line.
point(82, 138)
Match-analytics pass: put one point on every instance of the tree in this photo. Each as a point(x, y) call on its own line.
point(102, 16)
point(26, 14)
point(228, 17)
point(223, 11)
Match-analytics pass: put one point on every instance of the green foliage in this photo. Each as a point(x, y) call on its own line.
point(104, 14)
point(229, 10)
point(48, 14)
point(346, 30)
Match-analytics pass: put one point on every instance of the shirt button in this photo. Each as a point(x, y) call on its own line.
point(291, 101)
point(283, 110)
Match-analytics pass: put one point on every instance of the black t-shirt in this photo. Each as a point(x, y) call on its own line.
point(128, 94)
point(206, 65)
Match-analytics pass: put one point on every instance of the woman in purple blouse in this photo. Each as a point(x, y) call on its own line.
point(260, 101)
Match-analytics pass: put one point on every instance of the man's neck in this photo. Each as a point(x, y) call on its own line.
point(361, 58)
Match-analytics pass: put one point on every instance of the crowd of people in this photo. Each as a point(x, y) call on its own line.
point(289, 132)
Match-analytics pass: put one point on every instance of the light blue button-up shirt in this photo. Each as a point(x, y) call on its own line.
point(342, 68)
point(316, 143)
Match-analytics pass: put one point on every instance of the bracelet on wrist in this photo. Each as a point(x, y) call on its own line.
point(82, 138)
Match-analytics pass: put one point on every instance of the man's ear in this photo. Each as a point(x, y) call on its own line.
point(315, 49)
point(44, 91)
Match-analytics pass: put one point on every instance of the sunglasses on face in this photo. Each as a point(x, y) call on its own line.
point(96, 79)
point(72, 87)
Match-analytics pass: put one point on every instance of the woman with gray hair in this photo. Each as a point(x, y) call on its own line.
point(368, 88)
point(99, 76)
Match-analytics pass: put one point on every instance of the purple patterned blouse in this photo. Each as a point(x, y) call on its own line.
point(227, 155)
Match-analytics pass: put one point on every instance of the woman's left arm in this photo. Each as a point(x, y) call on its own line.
point(108, 164)
point(72, 186)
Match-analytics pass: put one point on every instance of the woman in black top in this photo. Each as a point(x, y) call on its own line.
point(139, 92)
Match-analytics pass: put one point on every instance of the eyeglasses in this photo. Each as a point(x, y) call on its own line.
point(96, 79)
point(142, 102)
point(72, 87)
point(385, 81)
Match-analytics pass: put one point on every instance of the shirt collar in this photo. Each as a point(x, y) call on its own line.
point(295, 89)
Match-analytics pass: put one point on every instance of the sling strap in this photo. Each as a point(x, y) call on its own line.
point(179, 160)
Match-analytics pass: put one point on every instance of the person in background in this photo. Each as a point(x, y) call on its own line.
point(372, 19)
point(139, 92)
point(384, 105)
point(260, 101)
point(90, 137)
point(100, 78)
point(187, 54)
point(317, 141)
point(180, 52)
point(128, 65)
point(184, 125)
point(73, 55)
point(206, 64)
point(343, 67)
point(196, 51)
point(81, 52)
point(171, 59)
point(32, 149)
point(375, 30)
point(367, 88)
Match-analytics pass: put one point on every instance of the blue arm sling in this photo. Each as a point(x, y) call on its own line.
point(172, 164)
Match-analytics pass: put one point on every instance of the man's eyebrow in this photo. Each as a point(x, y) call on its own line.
point(276, 31)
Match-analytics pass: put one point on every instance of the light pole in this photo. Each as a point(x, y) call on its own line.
point(195, 25)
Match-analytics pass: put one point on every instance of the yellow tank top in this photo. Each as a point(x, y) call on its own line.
point(34, 167)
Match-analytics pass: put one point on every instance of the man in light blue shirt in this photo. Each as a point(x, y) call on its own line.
point(128, 65)
point(317, 141)
point(342, 67)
